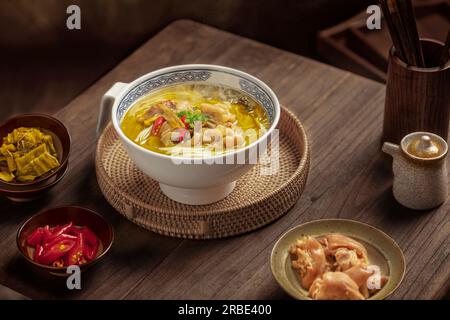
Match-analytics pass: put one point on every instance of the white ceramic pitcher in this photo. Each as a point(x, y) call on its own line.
point(420, 171)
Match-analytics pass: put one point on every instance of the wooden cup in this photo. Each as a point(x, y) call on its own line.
point(417, 99)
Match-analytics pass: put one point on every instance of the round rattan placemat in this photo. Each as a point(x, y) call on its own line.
point(256, 201)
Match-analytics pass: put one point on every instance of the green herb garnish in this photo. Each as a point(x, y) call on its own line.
point(192, 117)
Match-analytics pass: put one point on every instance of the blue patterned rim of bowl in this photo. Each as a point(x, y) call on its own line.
point(209, 75)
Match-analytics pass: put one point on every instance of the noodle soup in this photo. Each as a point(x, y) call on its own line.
point(195, 120)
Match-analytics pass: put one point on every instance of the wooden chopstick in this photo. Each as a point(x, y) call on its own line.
point(407, 16)
point(445, 56)
point(395, 37)
point(398, 24)
point(400, 18)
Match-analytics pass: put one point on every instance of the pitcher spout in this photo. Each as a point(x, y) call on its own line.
point(391, 148)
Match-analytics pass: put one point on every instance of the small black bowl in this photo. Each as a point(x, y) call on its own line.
point(32, 192)
point(60, 216)
point(48, 124)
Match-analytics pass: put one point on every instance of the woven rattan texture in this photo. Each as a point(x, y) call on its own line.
point(256, 201)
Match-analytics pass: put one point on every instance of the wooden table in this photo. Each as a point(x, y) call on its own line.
point(349, 178)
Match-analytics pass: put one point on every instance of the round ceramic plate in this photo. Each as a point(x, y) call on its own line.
point(382, 251)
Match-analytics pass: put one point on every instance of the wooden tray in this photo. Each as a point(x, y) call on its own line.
point(351, 46)
point(256, 201)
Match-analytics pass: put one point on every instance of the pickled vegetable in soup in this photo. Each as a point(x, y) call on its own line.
point(192, 119)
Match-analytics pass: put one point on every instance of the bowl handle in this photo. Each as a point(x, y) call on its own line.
point(106, 105)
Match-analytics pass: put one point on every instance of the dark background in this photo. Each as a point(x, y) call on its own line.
point(44, 65)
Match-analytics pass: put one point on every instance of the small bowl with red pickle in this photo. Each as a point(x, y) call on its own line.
point(57, 238)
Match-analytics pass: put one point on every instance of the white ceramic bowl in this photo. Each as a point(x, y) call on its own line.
point(206, 180)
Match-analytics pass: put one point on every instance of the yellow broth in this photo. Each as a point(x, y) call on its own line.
point(220, 111)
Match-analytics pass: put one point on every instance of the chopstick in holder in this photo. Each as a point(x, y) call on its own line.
point(395, 37)
point(408, 22)
point(396, 14)
point(400, 18)
point(445, 56)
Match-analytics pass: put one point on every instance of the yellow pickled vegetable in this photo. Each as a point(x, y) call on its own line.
point(27, 154)
point(6, 176)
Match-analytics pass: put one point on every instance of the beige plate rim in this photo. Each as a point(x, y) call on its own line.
point(300, 296)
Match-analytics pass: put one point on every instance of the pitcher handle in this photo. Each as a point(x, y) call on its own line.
point(106, 105)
